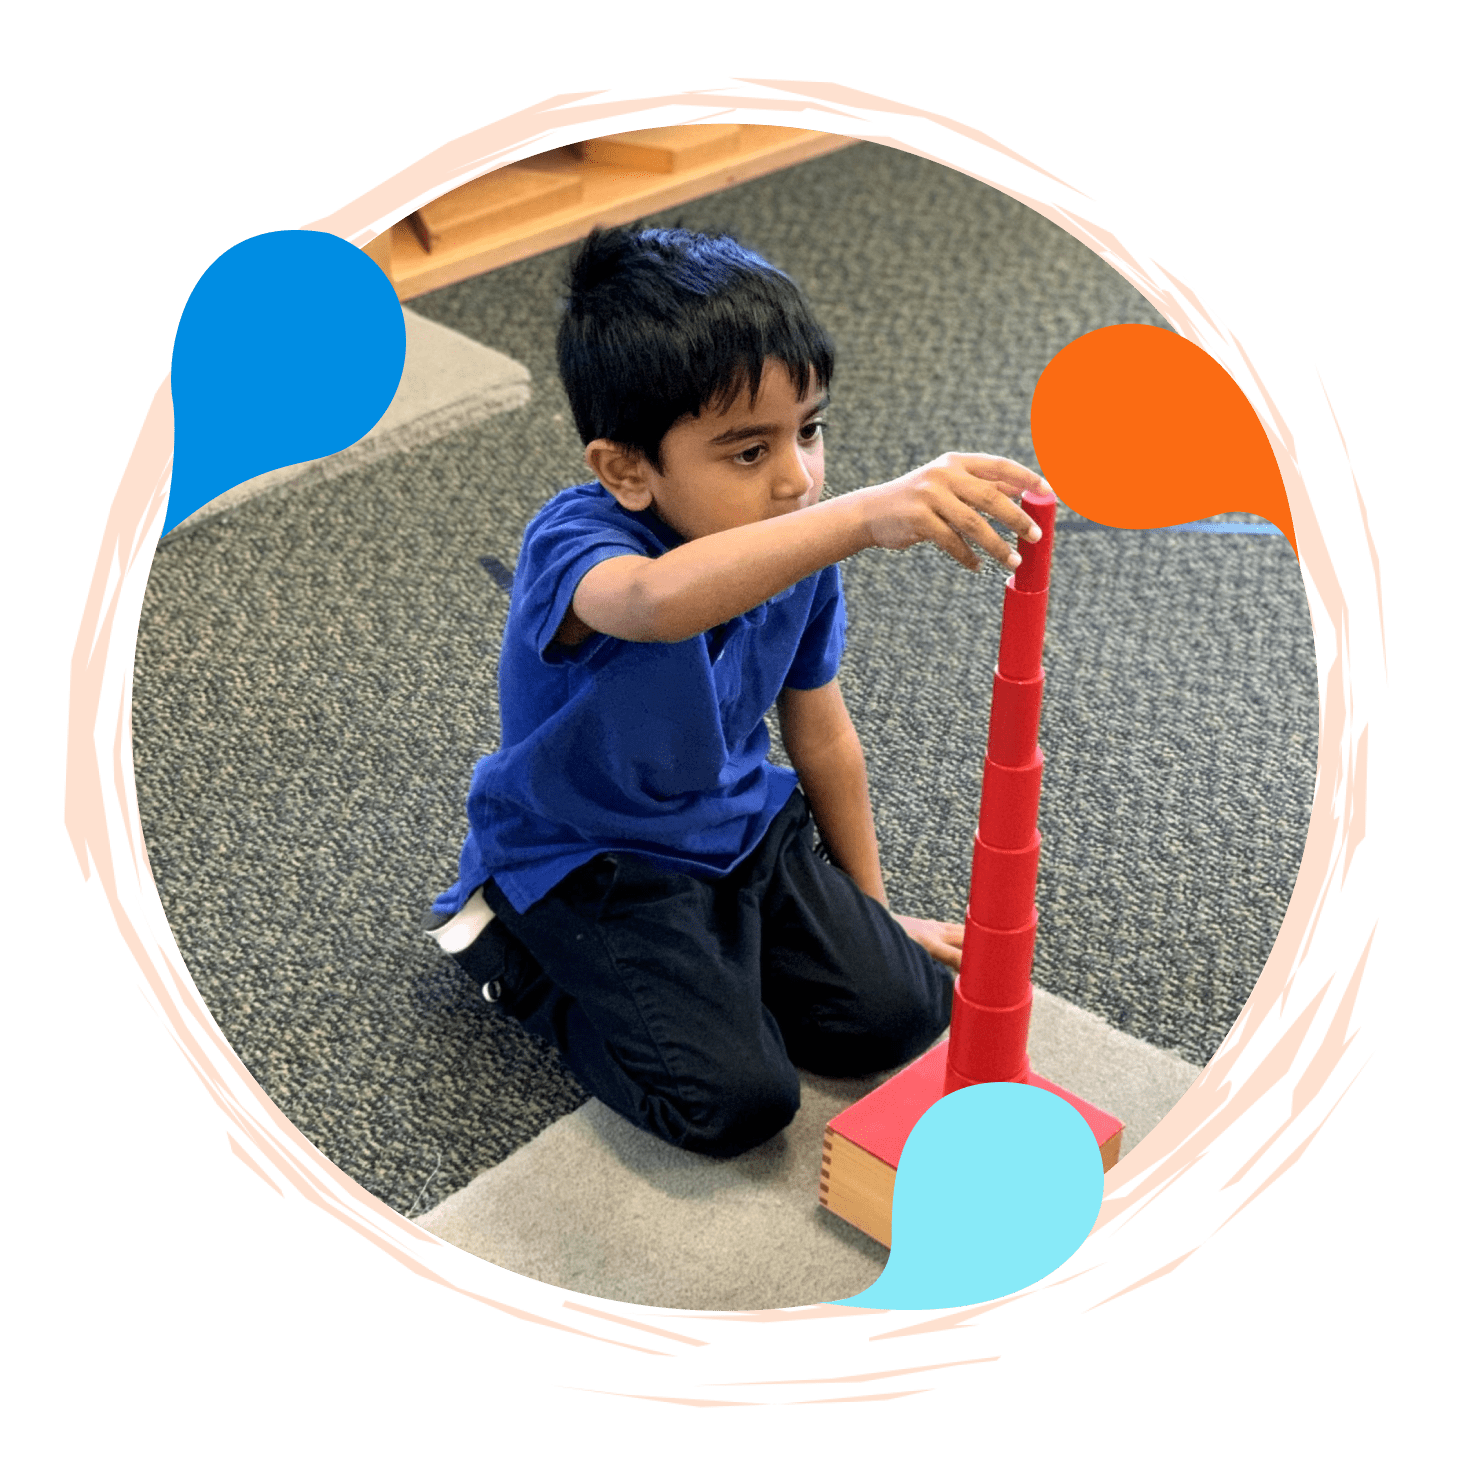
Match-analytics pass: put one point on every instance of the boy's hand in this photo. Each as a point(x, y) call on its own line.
point(945, 502)
point(943, 940)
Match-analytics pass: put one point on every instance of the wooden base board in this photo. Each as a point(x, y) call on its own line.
point(608, 195)
point(858, 1164)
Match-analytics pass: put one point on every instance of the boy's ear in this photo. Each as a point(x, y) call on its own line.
point(624, 472)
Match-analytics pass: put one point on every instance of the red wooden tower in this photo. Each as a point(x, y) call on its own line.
point(992, 994)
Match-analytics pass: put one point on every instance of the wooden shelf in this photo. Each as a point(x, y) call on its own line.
point(597, 194)
point(500, 202)
point(665, 151)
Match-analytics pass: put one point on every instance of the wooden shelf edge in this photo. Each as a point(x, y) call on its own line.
point(416, 272)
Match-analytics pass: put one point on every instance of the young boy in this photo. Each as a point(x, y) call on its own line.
point(639, 885)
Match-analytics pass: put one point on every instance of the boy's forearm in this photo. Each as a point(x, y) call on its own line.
point(711, 579)
point(840, 800)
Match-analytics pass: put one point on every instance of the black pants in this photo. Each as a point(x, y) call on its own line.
point(685, 1005)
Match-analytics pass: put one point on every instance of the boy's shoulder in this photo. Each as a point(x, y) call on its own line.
point(592, 499)
point(575, 530)
point(592, 506)
point(587, 515)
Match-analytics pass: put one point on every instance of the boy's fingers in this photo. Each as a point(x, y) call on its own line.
point(998, 547)
point(1008, 512)
point(997, 501)
point(970, 524)
point(948, 945)
point(942, 940)
point(1006, 482)
point(1006, 472)
point(949, 540)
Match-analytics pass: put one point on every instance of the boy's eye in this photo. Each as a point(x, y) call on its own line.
point(808, 434)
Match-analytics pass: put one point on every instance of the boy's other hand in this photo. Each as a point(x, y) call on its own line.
point(943, 940)
point(946, 502)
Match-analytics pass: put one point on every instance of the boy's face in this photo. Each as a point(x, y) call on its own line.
point(727, 469)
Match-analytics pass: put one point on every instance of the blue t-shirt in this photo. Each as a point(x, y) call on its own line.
point(656, 749)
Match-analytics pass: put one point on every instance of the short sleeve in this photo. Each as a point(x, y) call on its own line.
point(560, 552)
point(824, 639)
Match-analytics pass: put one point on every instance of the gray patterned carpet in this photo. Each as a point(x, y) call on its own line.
point(315, 678)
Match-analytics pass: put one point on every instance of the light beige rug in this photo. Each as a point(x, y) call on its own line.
point(449, 382)
point(595, 1205)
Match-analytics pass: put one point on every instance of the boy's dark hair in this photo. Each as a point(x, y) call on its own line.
point(660, 322)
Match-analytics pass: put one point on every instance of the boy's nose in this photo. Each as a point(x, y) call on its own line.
point(791, 476)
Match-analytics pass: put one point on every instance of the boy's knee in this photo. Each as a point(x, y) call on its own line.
point(892, 1026)
point(740, 1112)
point(908, 1024)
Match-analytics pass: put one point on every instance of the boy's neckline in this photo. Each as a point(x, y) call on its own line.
point(648, 518)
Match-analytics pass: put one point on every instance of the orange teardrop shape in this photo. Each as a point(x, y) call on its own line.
point(1136, 427)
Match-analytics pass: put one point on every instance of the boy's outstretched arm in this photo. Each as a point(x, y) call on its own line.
point(712, 579)
point(821, 741)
